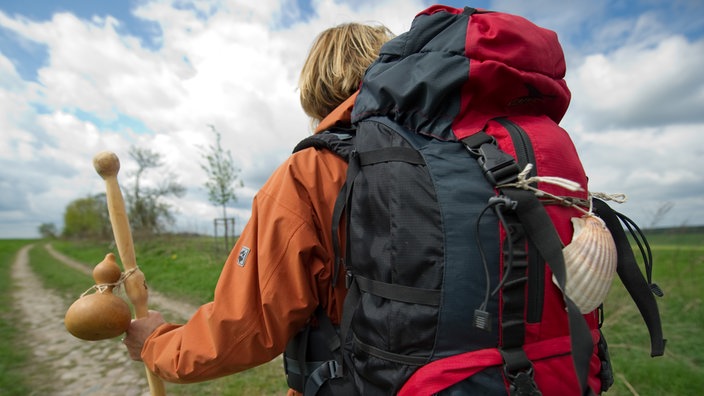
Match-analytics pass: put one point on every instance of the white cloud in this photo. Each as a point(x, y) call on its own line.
point(216, 64)
point(15, 119)
point(641, 85)
point(651, 165)
point(235, 64)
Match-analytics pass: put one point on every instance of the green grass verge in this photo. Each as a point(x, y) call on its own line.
point(186, 267)
point(189, 268)
point(13, 356)
point(264, 380)
point(679, 270)
point(54, 275)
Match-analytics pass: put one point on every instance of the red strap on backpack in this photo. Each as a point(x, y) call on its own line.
point(441, 374)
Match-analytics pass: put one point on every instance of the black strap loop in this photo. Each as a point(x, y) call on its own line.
point(391, 154)
point(517, 367)
point(341, 202)
point(325, 372)
point(390, 356)
point(396, 292)
point(632, 278)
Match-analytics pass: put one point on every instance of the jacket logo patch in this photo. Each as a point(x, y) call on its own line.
point(242, 257)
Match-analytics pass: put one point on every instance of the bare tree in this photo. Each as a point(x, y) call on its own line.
point(147, 209)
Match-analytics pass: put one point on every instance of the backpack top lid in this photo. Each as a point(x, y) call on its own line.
point(455, 69)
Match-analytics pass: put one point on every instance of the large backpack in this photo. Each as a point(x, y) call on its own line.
point(457, 209)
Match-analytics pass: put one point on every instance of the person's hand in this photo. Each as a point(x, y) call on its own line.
point(139, 330)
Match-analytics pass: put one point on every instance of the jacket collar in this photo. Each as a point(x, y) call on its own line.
point(340, 116)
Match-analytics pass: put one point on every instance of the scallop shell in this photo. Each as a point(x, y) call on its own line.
point(590, 263)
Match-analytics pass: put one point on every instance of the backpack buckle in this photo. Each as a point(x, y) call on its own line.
point(349, 278)
point(499, 167)
point(523, 384)
point(519, 372)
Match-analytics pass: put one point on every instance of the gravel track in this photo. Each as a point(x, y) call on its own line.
point(62, 364)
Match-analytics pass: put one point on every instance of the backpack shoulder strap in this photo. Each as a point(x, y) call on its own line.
point(338, 140)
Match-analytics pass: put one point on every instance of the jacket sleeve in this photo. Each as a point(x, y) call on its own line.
point(275, 276)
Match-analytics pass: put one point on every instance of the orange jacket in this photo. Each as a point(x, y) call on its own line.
point(277, 274)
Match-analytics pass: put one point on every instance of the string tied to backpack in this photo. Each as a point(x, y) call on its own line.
point(617, 197)
point(524, 182)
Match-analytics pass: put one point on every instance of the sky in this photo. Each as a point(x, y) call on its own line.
point(78, 77)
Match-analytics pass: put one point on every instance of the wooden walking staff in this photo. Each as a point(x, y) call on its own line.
point(107, 165)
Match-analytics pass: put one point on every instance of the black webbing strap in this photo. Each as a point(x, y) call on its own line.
point(343, 197)
point(513, 289)
point(325, 372)
point(348, 308)
point(474, 141)
point(301, 355)
point(305, 374)
point(632, 278)
point(517, 367)
point(542, 233)
point(353, 293)
point(396, 292)
point(326, 326)
point(293, 366)
point(389, 154)
point(409, 360)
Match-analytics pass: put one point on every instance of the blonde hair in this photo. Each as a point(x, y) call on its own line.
point(336, 64)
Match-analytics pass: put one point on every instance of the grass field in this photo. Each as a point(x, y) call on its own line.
point(679, 271)
point(188, 268)
point(12, 359)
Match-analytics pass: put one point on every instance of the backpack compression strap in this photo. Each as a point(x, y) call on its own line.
point(632, 278)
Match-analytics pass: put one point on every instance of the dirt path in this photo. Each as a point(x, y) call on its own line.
point(63, 364)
